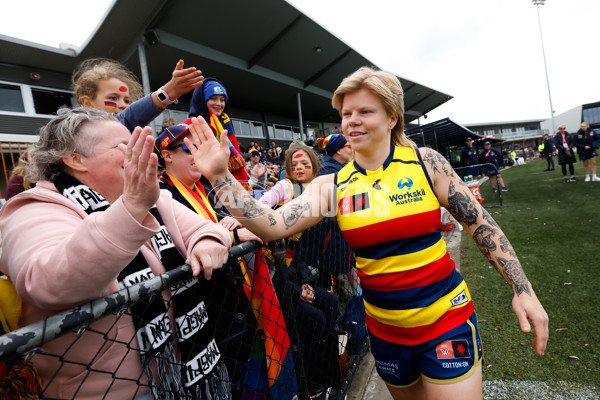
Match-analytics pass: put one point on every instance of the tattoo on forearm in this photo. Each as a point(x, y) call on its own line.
point(506, 247)
point(483, 236)
point(292, 214)
point(512, 271)
point(250, 207)
point(461, 207)
point(226, 182)
point(436, 161)
point(272, 220)
point(486, 215)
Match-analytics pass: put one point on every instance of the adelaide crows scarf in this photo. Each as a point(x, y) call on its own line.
point(201, 372)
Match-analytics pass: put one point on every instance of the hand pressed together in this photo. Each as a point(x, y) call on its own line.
point(140, 188)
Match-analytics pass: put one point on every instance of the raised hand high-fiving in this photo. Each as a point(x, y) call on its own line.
point(211, 156)
point(140, 187)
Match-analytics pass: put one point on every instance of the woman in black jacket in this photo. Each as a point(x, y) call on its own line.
point(563, 141)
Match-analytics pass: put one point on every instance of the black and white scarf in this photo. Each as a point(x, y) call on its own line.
point(201, 372)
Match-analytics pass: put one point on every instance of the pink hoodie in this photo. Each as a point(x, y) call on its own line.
point(58, 257)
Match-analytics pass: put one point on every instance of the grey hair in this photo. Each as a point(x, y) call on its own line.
point(60, 136)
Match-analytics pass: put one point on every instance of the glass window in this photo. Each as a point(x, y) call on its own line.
point(49, 101)
point(592, 115)
point(520, 129)
point(11, 99)
point(296, 134)
point(257, 130)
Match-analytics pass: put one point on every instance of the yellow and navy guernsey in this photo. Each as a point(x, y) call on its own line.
point(391, 219)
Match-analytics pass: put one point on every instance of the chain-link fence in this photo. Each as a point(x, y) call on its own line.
point(273, 323)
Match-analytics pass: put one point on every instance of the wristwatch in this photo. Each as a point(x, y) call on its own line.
point(164, 97)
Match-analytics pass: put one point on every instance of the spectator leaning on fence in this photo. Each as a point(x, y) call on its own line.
point(96, 222)
point(316, 307)
point(225, 307)
point(402, 260)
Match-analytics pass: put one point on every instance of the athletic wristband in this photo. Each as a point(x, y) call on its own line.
point(164, 97)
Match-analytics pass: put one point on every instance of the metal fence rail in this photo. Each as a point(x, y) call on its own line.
point(246, 353)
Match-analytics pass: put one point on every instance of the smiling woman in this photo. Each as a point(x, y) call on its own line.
point(419, 311)
point(95, 222)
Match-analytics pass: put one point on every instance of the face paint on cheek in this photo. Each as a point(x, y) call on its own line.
point(308, 167)
point(123, 89)
point(110, 105)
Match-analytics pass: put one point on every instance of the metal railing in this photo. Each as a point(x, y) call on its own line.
point(28, 342)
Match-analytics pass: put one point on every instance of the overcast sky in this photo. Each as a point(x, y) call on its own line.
point(485, 53)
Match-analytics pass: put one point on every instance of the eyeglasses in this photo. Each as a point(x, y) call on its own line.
point(185, 148)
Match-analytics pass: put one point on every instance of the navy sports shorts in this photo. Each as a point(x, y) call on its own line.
point(588, 155)
point(448, 358)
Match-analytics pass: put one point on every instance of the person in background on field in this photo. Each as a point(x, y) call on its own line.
point(470, 157)
point(549, 152)
point(492, 156)
point(564, 145)
point(587, 143)
point(419, 311)
point(106, 84)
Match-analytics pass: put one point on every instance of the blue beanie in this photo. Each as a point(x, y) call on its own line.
point(213, 88)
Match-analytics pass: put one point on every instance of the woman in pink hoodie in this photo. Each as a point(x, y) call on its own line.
point(97, 222)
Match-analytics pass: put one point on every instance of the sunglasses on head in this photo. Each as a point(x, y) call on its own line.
point(185, 148)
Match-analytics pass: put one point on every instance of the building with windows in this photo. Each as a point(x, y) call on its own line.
point(280, 68)
point(512, 134)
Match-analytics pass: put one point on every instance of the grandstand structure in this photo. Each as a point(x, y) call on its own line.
point(280, 68)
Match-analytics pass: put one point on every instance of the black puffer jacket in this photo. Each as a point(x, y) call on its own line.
point(564, 157)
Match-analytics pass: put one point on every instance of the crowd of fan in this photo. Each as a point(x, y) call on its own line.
point(59, 165)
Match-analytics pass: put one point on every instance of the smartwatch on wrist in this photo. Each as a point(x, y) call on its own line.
point(164, 97)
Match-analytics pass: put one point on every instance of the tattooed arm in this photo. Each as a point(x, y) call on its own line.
point(454, 194)
point(211, 158)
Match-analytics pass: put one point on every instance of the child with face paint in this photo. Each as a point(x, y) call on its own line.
point(105, 84)
point(302, 165)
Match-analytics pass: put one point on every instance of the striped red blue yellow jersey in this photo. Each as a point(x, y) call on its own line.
point(391, 219)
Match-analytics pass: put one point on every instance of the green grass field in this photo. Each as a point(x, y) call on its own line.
point(553, 227)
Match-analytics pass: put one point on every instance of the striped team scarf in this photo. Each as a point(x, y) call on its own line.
point(201, 372)
point(196, 198)
point(237, 165)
